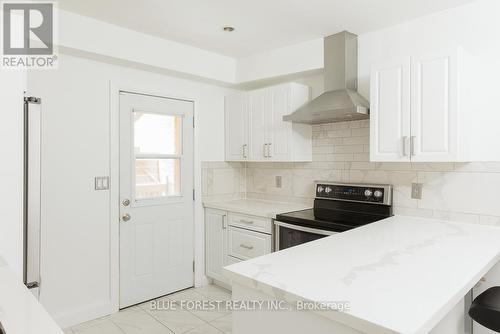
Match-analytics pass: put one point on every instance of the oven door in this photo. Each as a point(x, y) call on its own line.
point(289, 235)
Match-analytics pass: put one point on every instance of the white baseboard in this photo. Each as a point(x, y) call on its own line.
point(84, 313)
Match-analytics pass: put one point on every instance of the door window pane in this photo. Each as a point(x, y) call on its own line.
point(157, 134)
point(157, 178)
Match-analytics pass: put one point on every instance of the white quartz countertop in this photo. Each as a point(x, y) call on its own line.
point(260, 208)
point(20, 312)
point(401, 274)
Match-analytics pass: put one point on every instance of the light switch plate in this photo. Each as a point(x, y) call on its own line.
point(416, 190)
point(101, 183)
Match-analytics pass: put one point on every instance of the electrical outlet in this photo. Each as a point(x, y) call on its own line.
point(278, 181)
point(416, 190)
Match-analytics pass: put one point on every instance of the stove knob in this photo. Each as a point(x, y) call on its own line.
point(328, 190)
point(320, 189)
point(378, 193)
point(368, 193)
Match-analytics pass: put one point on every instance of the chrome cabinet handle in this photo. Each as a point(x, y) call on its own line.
point(412, 145)
point(244, 221)
point(246, 246)
point(224, 222)
point(126, 202)
point(404, 146)
point(269, 155)
point(245, 150)
point(126, 217)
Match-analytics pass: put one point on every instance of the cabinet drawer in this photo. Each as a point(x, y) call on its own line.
point(253, 223)
point(244, 244)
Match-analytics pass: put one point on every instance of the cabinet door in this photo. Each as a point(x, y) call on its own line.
point(390, 112)
point(215, 243)
point(236, 113)
point(279, 132)
point(258, 115)
point(434, 107)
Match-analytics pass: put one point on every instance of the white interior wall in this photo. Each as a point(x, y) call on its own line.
point(301, 57)
point(80, 33)
point(76, 139)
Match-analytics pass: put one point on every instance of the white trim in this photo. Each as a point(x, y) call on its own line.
point(115, 88)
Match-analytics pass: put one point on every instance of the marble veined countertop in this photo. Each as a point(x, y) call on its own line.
point(20, 312)
point(401, 274)
point(255, 207)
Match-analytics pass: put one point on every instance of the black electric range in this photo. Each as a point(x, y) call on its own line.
point(337, 208)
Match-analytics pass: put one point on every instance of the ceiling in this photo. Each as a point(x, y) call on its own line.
point(259, 24)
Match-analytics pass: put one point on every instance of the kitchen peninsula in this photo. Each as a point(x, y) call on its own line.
point(398, 275)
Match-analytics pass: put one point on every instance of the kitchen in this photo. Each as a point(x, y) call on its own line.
point(430, 148)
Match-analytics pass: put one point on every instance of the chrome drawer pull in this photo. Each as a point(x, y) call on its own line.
point(412, 145)
point(246, 221)
point(404, 146)
point(246, 246)
point(245, 151)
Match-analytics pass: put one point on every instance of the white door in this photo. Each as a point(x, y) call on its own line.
point(258, 110)
point(390, 112)
point(434, 107)
point(236, 112)
point(216, 242)
point(156, 197)
point(278, 130)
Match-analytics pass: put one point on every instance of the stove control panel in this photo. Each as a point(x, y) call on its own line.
point(369, 193)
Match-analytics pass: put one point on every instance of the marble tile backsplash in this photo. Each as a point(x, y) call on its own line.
point(223, 180)
point(456, 191)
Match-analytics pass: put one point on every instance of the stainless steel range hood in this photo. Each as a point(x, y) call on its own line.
point(341, 101)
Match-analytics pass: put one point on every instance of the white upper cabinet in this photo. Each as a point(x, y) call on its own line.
point(390, 112)
point(257, 127)
point(268, 138)
point(237, 127)
point(427, 108)
point(434, 107)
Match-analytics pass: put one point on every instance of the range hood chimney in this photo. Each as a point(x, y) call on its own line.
point(341, 101)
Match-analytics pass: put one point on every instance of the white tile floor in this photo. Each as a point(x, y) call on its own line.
point(142, 319)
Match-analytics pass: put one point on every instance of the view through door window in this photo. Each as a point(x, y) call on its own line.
point(157, 152)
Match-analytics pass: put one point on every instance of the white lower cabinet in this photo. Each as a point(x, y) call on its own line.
point(233, 237)
point(245, 244)
point(215, 243)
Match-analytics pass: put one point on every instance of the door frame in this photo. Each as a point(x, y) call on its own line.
point(115, 88)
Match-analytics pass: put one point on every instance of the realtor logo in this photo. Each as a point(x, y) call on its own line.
point(28, 35)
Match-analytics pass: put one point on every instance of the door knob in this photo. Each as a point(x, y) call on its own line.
point(126, 202)
point(126, 217)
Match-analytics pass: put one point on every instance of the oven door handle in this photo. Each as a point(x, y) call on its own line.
point(304, 229)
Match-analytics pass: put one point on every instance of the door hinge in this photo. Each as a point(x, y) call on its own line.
point(193, 266)
point(193, 121)
point(194, 198)
point(32, 99)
